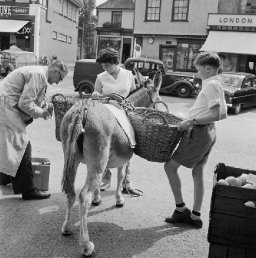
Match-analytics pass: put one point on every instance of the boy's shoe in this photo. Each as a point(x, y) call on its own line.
point(197, 223)
point(179, 217)
point(35, 195)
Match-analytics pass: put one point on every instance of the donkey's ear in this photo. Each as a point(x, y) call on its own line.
point(158, 78)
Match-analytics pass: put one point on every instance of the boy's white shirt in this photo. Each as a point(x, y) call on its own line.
point(211, 95)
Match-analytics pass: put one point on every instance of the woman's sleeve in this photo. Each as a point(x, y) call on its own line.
point(98, 86)
point(133, 85)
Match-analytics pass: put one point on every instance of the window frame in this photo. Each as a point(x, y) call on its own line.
point(147, 8)
point(173, 11)
point(112, 16)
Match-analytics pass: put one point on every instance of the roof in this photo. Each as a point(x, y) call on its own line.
point(117, 4)
point(79, 3)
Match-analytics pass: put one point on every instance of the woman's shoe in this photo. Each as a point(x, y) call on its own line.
point(132, 191)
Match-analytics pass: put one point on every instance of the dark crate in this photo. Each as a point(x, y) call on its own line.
point(222, 251)
point(231, 222)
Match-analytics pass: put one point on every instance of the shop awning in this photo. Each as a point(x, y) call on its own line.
point(11, 25)
point(231, 42)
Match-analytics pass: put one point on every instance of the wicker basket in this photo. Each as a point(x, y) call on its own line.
point(61, 105)
point(156, 133)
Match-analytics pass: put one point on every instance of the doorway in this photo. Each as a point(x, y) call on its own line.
point(127, 45)
point(4, 42)
point(166, 54)
point(251, 65)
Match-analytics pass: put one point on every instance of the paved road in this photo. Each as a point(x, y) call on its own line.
point(31, 229)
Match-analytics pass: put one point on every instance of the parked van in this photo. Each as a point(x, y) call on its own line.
point(85, 73)
point(14, 58)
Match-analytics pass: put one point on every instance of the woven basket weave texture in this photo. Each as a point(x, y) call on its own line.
point(156, 134)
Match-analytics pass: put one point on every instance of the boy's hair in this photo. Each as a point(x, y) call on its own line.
point(108, 55)
point(208, 58)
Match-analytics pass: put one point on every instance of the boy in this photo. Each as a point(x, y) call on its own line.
point(198, 140)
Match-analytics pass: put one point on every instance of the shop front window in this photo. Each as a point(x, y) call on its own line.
point(167, 56)
point(186, 55)
point(113, 42)
point(247, 6)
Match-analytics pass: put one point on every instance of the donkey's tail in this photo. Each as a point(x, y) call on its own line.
point(71, 127)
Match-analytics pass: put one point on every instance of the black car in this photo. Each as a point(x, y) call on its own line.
point(178, 83)
point(240, 90)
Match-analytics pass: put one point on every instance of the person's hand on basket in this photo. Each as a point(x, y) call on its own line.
point(95, 95)
point(185, 125)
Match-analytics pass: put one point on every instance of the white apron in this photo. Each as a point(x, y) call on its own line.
point(28, 83)
point(13, 141)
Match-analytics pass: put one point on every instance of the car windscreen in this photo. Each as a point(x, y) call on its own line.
point(230, 80)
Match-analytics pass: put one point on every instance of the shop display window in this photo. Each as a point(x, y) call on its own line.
point(114, 42)
point(186, 55)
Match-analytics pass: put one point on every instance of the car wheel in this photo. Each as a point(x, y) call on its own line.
point(183, 91)
point(85, 89)
point(8, 70)
point(236, 109)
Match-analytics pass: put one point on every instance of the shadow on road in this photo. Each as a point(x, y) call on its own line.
point(27, 232)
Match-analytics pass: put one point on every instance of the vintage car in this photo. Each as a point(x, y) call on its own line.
point(182, 84)
point(14, 58)
point(85, 73)
point(240, 90)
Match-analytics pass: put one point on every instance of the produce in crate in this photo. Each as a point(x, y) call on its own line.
point(244, 181)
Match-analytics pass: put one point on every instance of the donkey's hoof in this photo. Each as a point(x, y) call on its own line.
point(66, 232)
point(93, 254)
point(120, 203)
point(96, 203)
point(89, 250)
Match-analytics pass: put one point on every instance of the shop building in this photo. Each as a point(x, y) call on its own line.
point(232, 33)
point(115, 27)
point(173, 31)
point(45, 27)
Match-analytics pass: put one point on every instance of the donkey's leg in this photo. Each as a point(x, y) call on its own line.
point(96, 196)
point(85, 197)
point(71, 197)
point(120, 178)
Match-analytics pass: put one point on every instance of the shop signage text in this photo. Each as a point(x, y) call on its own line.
point(232, 20)
point(8, 10)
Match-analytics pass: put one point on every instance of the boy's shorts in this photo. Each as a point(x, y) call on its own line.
point(195, 146)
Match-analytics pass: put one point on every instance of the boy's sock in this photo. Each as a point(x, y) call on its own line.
point(195, 215)
point(180, 207)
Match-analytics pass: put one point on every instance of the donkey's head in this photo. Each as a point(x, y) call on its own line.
point(154, 86)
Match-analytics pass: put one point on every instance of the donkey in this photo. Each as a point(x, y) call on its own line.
point(90, 134)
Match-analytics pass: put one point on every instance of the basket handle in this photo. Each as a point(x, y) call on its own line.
point(155, 114)
point(153, 105)
point(56, 95)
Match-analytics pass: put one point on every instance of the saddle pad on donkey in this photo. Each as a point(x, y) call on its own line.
point(124, 122)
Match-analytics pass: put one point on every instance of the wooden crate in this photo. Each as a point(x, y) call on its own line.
point(222, 251)
point(231, 222)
